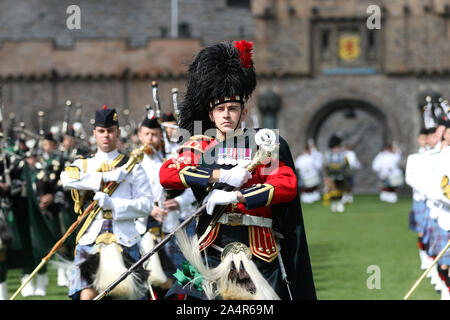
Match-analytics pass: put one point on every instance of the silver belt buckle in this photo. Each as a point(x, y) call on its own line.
point(235, 219)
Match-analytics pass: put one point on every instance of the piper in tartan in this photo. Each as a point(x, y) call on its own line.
point(263, 213)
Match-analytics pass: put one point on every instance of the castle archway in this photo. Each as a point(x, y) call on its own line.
point(362, 127)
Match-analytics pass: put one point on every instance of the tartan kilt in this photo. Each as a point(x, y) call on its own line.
point(428, 227)
point(417, 216)
point(439, 241)
point(437, 238)
point(446, 256)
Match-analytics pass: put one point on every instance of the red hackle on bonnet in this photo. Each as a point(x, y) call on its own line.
point(245, 48)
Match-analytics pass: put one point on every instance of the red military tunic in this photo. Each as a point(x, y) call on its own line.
point(273, 186)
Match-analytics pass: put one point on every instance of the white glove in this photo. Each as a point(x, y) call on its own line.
point(219, 197)
point(235, 177)
point(104, 201)
point(117, 174)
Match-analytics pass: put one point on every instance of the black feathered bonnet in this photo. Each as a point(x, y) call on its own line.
point(334, 141)
point(220, 73)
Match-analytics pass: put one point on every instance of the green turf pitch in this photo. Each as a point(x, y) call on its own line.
point(54, 292)
point(369, 234)
point(348, 250)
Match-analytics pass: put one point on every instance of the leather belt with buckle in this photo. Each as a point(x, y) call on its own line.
point(237, 219)
point(234, 219)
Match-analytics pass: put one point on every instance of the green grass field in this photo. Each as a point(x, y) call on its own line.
point(369, 233)
point(54, 292)
point(342, 246)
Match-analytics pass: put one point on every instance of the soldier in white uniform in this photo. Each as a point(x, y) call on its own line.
point(426, 181)
point(438, 200)
point(387, 166)
point(170, 207)
point(107, 243)
point(428, 176)
point(309, 167)
point(418, 210)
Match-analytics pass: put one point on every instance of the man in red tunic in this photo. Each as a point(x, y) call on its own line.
point(212, 163)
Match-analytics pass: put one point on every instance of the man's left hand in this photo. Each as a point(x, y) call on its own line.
point(104, 201)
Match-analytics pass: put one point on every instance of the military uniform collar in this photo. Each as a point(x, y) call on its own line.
point(156, 156)
point(435, 149)
point(107, 156)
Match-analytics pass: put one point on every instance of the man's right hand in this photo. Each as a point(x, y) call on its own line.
point(235, 177)
point(220, 197)
point(158, 214)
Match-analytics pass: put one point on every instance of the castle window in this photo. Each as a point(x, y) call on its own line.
point(325, 48)
point(345, 46)
point(184, 30)
point(371, 49)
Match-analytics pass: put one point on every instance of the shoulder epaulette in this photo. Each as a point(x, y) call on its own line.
point(73, 172)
